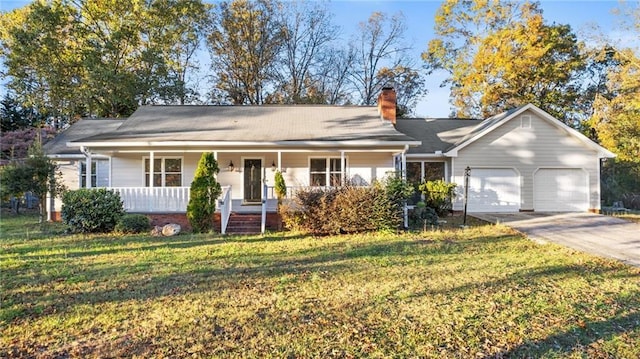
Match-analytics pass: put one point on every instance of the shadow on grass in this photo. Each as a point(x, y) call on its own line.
point(152, 276)
point(578, 336)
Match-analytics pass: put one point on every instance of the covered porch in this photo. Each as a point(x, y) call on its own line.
point(247, 177)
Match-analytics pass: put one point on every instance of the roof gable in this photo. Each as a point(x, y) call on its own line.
point(84, 127)
point(496, 121)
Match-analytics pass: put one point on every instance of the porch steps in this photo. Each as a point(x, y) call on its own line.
point(244, 223)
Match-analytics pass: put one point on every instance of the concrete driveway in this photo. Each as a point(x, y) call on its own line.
point(593, 233)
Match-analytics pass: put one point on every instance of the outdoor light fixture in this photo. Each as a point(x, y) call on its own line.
point(231, 167)
point(273, 166)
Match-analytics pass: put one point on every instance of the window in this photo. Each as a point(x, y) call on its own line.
point(419, 172)
point(167, 172)
point(325, 171)
point(83, 174)
point(525, 121)
point(99, 173)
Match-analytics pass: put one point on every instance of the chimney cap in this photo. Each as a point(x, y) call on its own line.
point(387, 87)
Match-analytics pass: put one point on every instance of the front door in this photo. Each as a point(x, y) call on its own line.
point(252, 180)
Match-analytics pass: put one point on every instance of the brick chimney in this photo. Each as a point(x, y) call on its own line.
point(387, 104)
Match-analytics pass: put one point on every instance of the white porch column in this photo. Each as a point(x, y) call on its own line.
point(151, 160)
point(342, 168)
point(280, 161)
point(215, 156)
point(87, 173)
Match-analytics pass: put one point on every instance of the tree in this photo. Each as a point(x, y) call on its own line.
point(15, 183)
point(501, 55)
point(244, 45)
point(378, 41)
point(306, 37)
point(14, 116)
point(408, 84)
point(204, 192)
point(36, 174)
point(100, 57)
point(615, 120)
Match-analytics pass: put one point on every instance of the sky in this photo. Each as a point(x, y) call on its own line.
point(419, 18)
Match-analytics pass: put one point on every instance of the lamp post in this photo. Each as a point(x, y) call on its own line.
point(467, 174)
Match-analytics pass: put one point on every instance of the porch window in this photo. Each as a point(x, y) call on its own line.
point(167, 172)
point(325, 171)
point(421, 171)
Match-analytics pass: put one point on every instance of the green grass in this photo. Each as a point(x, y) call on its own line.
point(479, 292)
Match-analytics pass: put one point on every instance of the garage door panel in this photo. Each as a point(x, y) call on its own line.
point(494, 190)
point(561, 190)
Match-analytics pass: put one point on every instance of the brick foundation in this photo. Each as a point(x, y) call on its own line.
point(160, 219)
point(274, 222)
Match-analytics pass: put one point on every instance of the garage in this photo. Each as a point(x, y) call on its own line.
point(561, 190)
point(494, 190)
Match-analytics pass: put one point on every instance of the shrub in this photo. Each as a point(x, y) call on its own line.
point(280, 186)
point(204, 193)
point(91, 210)
point(423, 215)
point(133, 223)
point(438, 195)
point(346, 209)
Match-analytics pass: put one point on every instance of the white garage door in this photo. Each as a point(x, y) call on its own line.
point(560, 190)
point(494, 190)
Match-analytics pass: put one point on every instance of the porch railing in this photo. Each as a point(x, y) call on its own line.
point(224, 204)
point(154, 199)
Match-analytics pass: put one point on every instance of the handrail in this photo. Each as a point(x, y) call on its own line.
point(225, 208)
point(263, 221)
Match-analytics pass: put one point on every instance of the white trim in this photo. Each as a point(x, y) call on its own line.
point(602, 152)
point(343, 169)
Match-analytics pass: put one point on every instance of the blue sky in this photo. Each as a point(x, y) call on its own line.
point(419, 14)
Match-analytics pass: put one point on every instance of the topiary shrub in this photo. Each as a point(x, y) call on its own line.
point(438, 195)
point(280, 186)
point(204, 193)
point(91, 210)
point(133, 223)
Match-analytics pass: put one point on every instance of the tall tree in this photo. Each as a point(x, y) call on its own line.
point(244, 45)
point(378, 43)
point(307, 37)
point(71, 58)
point(501, 55)
point(408, 84)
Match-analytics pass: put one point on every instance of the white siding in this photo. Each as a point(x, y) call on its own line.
point(127, 170)
point(70, 177)
point(527, 149)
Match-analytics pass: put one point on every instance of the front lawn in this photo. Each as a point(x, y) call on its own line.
point(482, 292)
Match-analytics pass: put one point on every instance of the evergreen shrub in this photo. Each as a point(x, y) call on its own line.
point(96, 210)
point(133, 223)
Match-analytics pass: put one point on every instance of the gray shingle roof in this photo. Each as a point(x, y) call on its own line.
point(82, 128)
point(253, 124)
point(436, 134)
